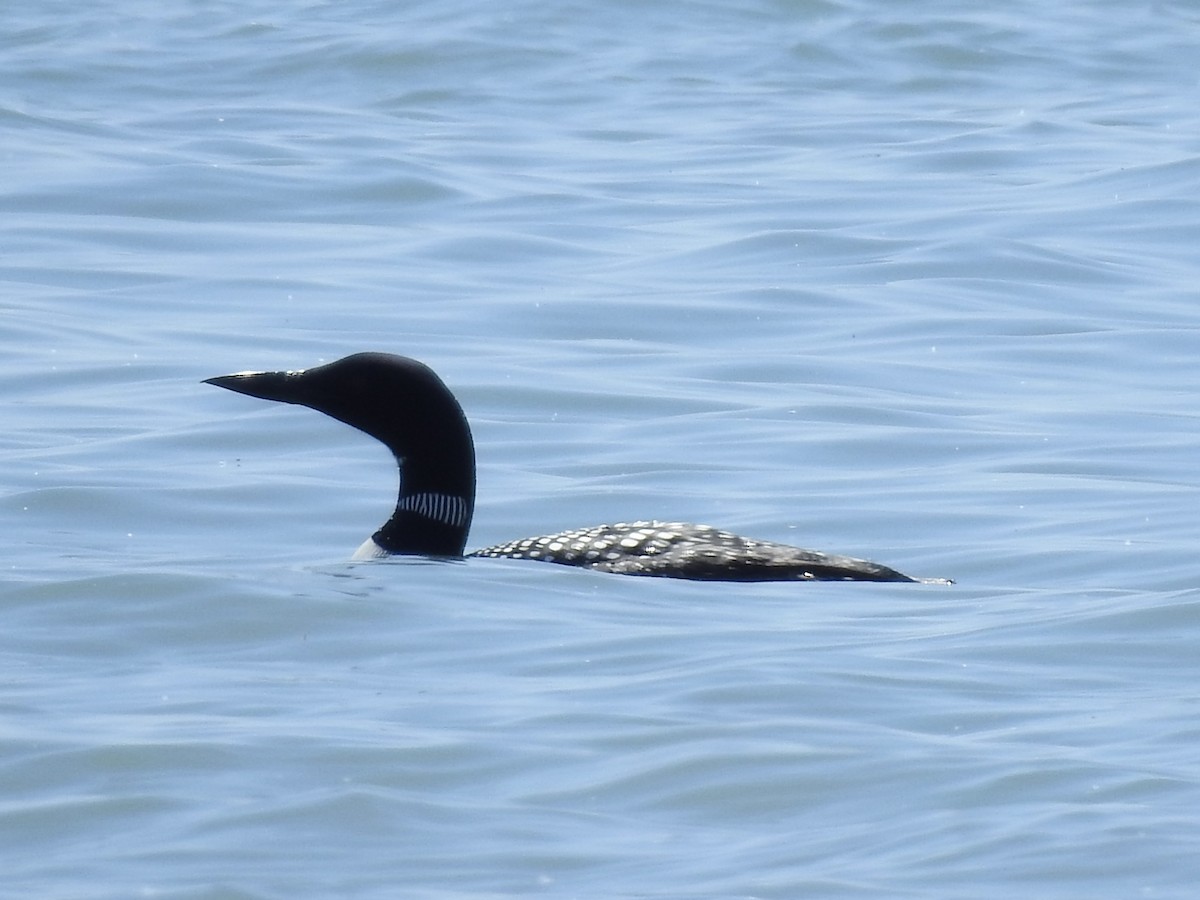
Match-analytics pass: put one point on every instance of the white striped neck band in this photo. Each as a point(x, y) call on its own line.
point(444, 508)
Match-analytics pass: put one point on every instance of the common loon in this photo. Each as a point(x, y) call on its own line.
point(402, 403)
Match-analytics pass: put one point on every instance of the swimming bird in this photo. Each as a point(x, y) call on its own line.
point(404, 404)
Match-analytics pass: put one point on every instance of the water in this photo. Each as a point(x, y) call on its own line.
point(905, 281)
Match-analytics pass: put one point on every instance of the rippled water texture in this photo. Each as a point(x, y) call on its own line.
point(912, 282)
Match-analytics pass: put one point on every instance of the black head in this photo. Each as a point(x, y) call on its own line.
point(397, 400)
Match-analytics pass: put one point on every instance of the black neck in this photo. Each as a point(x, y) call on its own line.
point(417, 535)
point(434, 509)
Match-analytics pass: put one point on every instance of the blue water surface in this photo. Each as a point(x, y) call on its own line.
point(913, 282)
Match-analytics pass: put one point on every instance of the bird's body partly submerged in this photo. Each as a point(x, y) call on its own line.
point(404, 404)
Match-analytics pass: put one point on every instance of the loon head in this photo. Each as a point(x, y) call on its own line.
point(402, 403)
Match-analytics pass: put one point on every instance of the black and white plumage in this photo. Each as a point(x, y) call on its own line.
point(402, 403)
point(682, 550)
